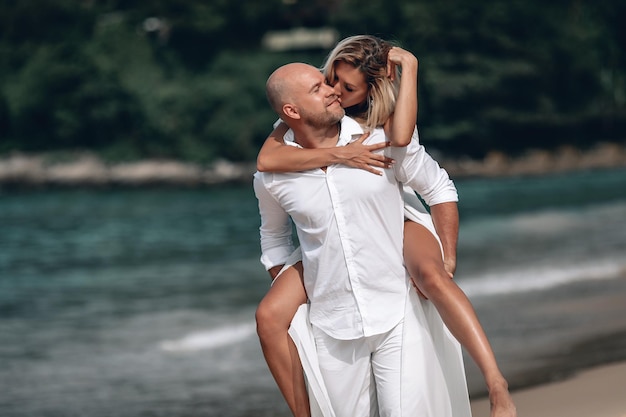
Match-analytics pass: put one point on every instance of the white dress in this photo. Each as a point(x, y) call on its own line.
point(446, 373)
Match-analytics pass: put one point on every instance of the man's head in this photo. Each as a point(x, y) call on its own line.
point(300, 96)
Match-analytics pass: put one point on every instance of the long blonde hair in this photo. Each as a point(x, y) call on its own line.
point(368, 54)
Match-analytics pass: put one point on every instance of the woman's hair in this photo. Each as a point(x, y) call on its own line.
point(369, 55)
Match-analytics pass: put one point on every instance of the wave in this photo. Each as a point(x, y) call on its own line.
point(210, 339)
point(570, 221)
point(540, 278)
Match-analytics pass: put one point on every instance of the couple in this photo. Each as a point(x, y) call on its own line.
point(379, 349)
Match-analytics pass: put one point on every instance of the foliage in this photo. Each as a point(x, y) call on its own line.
point(510, 75)
point(185, 78)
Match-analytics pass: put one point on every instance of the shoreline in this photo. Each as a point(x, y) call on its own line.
point(86, 169)
point(596, 391)
point(566, 362)
point(584, 330)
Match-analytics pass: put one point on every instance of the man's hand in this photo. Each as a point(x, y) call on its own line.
point(450, 266)
point(419, 292)
point(358, 155)
point(273, 271)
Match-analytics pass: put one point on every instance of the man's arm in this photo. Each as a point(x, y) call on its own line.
point(417, 169)
point(446, 219)
point(276, 230)
point(273, 271)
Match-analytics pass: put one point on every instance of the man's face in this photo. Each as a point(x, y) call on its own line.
point(318, 103)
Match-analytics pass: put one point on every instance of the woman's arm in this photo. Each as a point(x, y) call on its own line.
point(400, 126)
point(275, 156)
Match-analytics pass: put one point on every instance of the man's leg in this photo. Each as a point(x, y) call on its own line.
point(346, 368)
point(407, 374)
point(386, 368)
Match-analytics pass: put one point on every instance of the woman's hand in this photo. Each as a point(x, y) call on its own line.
point(398, 57)
point(358, 155)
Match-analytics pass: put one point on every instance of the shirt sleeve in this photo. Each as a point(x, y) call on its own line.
point(276, 228)
point(417, 169)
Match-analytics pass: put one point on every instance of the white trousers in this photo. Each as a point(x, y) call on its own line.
point(362, 376)
point(431, 382)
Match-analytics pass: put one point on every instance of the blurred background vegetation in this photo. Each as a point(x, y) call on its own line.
point(185, 79)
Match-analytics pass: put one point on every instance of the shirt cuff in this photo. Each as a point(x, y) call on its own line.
point(275, 256)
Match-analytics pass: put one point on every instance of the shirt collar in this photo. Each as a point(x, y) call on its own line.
point(349, 129)
point(347, 132)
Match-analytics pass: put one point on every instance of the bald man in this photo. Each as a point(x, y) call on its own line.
point(364, 315)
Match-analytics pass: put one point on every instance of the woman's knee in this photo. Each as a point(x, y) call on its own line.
point(276, 310)
point(430, 277)
point(271, 316)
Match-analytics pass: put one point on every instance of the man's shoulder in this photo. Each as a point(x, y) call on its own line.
point(264, 183)
point(268, 179)
point(263, 178)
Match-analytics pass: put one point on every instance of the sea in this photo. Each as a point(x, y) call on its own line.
point(138, 302)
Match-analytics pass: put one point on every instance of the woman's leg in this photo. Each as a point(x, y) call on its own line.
point(423, 259)
point(273, 317)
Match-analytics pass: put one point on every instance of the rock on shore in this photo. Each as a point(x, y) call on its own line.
point(86, 169)
point(540, 162)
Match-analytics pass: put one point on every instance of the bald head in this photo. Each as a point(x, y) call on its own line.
point(284, 83)
point(302, 98)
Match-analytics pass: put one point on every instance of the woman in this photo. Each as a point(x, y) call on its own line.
point(364, 69)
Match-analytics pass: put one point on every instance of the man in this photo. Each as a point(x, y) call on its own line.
point(364, 315)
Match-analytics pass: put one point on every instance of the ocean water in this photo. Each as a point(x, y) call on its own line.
point(141, 302)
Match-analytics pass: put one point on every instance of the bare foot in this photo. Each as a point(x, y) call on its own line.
point(501, 402)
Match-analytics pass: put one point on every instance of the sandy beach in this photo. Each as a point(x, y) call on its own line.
point(596, 392)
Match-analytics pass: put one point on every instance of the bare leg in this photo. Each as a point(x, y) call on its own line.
point(424, 262)
point(273, 317)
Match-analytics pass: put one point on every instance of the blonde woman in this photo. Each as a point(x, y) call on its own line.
point(365, 70)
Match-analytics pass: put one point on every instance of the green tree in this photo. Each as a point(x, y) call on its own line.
point(185, 79)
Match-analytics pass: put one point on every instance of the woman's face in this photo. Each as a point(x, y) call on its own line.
point(351, 82)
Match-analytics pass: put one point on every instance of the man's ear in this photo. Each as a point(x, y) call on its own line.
point(291, 111)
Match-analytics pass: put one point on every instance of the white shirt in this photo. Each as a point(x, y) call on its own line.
point(350, 227)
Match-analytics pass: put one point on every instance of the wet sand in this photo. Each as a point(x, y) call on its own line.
point(596, 392)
